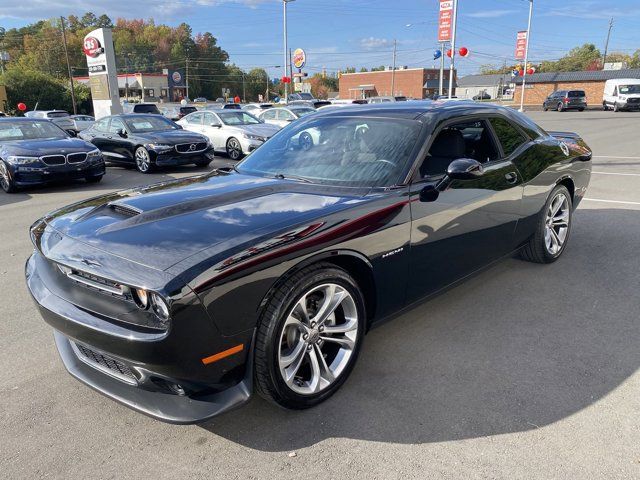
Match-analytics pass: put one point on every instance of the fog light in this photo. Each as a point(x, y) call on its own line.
point(159, 307)
point(141, 297)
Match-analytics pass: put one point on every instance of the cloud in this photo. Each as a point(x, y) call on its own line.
point(371, 43)
point(590, 10)
point(491, 13)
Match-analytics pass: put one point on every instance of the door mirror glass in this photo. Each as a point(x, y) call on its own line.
point(464, 169)
point(122, 132)
point(216, 125)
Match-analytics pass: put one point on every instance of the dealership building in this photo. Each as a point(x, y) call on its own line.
point(409, 82)
point(168, 86)
point(540, 85)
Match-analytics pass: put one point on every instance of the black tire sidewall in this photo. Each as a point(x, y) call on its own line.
point(286, 396)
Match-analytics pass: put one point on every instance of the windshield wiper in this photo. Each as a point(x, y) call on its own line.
point(291, 177)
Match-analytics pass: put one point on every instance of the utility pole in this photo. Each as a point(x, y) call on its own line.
point(606, 45)
point(393, 71)
point(244, 96)
point(286, 63)
point(442, 47)
point(66, 54)
point(187, 76)
point(126, 78)
point(526, 56)
point(453, 46)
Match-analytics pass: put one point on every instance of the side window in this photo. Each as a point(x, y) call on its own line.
point(102, 125)
point(195, 119)
point(116, 125)
point(470, 139)
point(615, 91)
point(285, 115)
point(210, 119)
point(509, 136)
point(269, 114)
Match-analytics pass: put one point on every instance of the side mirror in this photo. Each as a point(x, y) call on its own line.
point(216, 125)
point(464, 169)
point(72, 133)
point(122, 132)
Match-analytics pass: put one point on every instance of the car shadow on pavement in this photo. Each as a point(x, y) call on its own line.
point(518, 347)
point(10, 198)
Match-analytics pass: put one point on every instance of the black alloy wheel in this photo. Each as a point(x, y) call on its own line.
point(234, 149)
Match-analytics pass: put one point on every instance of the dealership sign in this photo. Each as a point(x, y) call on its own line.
point(521, 45)
point(91, 47)
point(445, 20)
point(299, 58)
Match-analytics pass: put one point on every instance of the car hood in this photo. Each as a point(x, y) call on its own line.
point(36, 148)
point(262, 129)
point(171, 137)
point(163, 224)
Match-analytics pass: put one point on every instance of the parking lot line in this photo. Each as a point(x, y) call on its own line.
point(611, 201)
point(615, 173)
point(616, 157)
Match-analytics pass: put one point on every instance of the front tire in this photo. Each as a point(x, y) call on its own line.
point(234, 149)
point(309, 336)
point(552, 230)
point(560, 107)
point(616, 108)
point(143, 160)
point(6, 182)
point(544, 107)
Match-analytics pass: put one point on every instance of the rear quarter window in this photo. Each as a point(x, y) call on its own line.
point(508, 135)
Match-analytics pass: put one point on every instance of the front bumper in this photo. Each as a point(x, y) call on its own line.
point(24, 176)
point(172, 159)
point(249, 144)
point(155, 363)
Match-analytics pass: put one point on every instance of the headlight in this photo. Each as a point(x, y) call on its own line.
point(17, 160)
point(159, 147)
point(159, 307)
point(253, 137)
point(622, 97)
point(145, 299)
point(94, 154)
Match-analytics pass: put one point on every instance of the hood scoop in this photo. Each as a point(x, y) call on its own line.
point(124, 210)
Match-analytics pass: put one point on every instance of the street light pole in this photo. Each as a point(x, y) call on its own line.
point(286, 47)
point(526, 56)
point(453, 46)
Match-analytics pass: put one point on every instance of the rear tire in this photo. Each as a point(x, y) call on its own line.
point(545, 245)
point(234, 149)
point(560, 107)
point(298, 362)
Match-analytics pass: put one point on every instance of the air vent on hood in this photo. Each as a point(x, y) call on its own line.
point(126, 210)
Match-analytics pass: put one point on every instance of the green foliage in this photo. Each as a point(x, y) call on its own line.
point(586, 57)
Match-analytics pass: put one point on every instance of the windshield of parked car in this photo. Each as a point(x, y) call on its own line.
point(576, 94)
point(149, 123)
point(301, 112)
point(336, 150)
point(626, 89)
point(238, 118)
point(146, 109)
point(21, 130)
point(57, 114)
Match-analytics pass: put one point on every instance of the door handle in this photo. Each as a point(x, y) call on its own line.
point(511, 177)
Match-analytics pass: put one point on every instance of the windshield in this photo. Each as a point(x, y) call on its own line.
point(347, 151)
point(301, 112)
point(626, 89)
point(146, 109)
point(238, 118)
point(30, 131)
point(149, 123)
point(57, 114)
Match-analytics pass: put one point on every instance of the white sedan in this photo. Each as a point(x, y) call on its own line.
point(283, 116)
point(235, 132)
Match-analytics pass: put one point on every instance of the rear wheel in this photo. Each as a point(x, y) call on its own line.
point(581, 109)
point(560, 107)
point(143, 160)
point(234, 149)
point(6, 182)
point(604, 106)
point(309, 337)
point(553, 229)
point(544, 107)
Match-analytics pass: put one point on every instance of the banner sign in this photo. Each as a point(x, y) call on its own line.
point(521, 45)
point(445, 20)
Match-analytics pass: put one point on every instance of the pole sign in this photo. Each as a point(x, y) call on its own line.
point(103, 81)
point(521, 45)
point(445, 20)
point(299, 58)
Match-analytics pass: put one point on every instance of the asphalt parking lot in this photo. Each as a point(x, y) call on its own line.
point(524, 372)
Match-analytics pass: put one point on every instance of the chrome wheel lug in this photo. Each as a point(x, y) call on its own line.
point(305, 336)
point(313, 324)
point(321, 329)
point(309, 347)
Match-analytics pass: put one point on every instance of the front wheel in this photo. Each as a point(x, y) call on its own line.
point(6, 182)
point(604, 106)
point(544, 107)
point(143, 160)
point(616, 108)
point(560, 107)
point(309, 336)
point(553, 229)
point(234, 149)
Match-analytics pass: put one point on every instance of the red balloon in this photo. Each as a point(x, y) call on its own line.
point(22, 107)
point(236, 99)
point(449, 53)
point(464, 51)
point(286, 79)
point(531, 71)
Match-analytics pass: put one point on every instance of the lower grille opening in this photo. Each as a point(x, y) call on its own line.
point(104, 363)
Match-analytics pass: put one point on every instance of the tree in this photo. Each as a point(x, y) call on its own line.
point(256, 83)
point(578, 59)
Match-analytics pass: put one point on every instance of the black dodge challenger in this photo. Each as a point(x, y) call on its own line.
point(180, 298)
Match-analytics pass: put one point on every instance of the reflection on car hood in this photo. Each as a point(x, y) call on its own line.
point(162, 224)
point(262, 129)
point(171, 137)
point(36, 148)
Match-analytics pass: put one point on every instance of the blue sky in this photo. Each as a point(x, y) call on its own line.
point(340, 33)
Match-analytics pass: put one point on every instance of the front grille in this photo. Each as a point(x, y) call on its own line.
point(191, 147)
point(52, 160)
point(104, 363)
point(76, 157)
point(633, 100)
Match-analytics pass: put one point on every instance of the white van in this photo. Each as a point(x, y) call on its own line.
point(621, 94)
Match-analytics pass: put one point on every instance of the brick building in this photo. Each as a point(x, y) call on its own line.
point(540, 85)
point(410, 82)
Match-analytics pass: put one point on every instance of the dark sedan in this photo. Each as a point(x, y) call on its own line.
point(34, 152)
point(181, 298)
point(147, 142)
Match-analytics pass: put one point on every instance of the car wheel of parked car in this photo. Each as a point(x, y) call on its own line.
point(143, 160)
point(560, 107)
point(581, 109)
point(309, 336)
point(604, 106)
point(554, 227)
point(544, 107)
point(234, 150)
point(95, 179)
point(615, 107)
point(5, 179)
point(306, 141)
